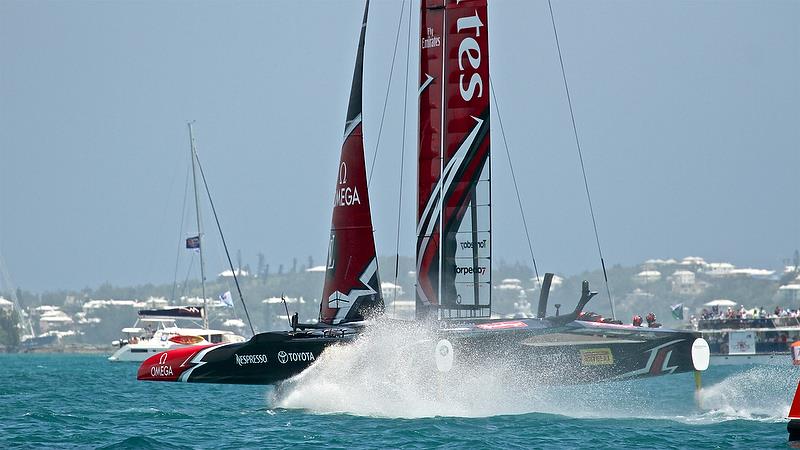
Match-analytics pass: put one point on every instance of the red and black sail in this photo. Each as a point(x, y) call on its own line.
point(453, 209)
point(352, 287)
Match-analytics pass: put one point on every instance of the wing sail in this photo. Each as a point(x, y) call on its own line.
point(352, 286)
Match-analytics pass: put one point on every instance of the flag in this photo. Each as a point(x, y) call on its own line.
point(226, 299)
point(677, 311)
point(193, 242)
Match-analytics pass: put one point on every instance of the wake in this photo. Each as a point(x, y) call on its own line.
point(762, 393)
point(389, 371)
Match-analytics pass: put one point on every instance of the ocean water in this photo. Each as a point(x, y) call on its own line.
point(84, 401)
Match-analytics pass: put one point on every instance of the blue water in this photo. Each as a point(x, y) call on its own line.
point(67, 401)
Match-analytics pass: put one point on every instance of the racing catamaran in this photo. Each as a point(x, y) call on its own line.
point(453, 295)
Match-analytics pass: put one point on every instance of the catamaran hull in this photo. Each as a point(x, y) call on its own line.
point(267, 358)
point(575, 353)
point(767, 359)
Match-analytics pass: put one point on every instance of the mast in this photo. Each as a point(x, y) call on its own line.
point(24, 325)
point(352, 289)
point(199, 226)
point(454, 192)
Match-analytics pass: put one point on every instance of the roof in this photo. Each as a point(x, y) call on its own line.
point(228, 273)
point(274, 300)
point(721, 302)
point(649, 273)
point(683, 272)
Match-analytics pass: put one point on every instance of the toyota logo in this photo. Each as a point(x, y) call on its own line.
point(283, 357)
point(163, 359)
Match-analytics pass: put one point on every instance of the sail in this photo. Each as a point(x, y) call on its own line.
point(454, 193)
point(352, 288)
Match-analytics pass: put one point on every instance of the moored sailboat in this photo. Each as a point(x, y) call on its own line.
point(454, 251)
point(159, 330)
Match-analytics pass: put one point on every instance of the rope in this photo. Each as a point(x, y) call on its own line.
point(180, 235)
point(580, 156)
point(514, 179)
point(386, 97)
point(402, 165)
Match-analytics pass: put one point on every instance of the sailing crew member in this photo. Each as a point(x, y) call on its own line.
point(637, 320)
point(651, 320)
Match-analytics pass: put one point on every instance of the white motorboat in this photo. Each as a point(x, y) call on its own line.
point(157, 331)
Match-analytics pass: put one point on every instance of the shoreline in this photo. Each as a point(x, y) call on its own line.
point(63, 349)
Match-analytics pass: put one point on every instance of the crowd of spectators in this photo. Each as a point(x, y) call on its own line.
point(717, 313)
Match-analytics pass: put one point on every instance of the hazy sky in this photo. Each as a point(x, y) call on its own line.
point(688, 113)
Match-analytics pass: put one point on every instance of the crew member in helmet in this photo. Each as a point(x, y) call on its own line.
point(637, 320)
point(651, 321)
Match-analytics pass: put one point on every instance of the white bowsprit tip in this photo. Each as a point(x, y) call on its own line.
point(701, 354)
point(443, 355)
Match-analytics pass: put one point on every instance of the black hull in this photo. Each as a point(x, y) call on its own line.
point(793, 427)
point(578, 352)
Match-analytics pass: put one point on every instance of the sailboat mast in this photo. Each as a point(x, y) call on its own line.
point(199, 226)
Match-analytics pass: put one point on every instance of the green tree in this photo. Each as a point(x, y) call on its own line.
point(9, 331)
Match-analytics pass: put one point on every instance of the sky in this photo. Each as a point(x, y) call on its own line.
point(688, 113)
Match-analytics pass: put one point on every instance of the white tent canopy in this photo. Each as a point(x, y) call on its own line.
point(721, 302)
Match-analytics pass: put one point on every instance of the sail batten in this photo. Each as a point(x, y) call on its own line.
point(454, 192)
point(352, 285)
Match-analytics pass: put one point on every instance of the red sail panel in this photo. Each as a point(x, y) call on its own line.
point(454, 260)
point(466, 268)
point(431, 101)
point(352, 287)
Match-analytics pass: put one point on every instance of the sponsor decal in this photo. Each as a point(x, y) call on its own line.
point(467, 270)
point(597, 357)
point(657, 362)
point(286, 357)
point(470, 51)
point(465, 245)
point(502, 325)
point(162, 369)
point(345, 195)
point(242, 360)
point(333, 332)
point(186, 340)
point(431, 40)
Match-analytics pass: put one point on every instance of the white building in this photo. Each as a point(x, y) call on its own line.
point(229, 274)
point(391, 290)
point(684, 282)
point(753, 273)
point(6, 305)
point(510, 284)
point(279, 300)
point(693, 261)
point(54, 320)
point(790, 293)
point(722, 269)
point(647, 276)
point(556, 282)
